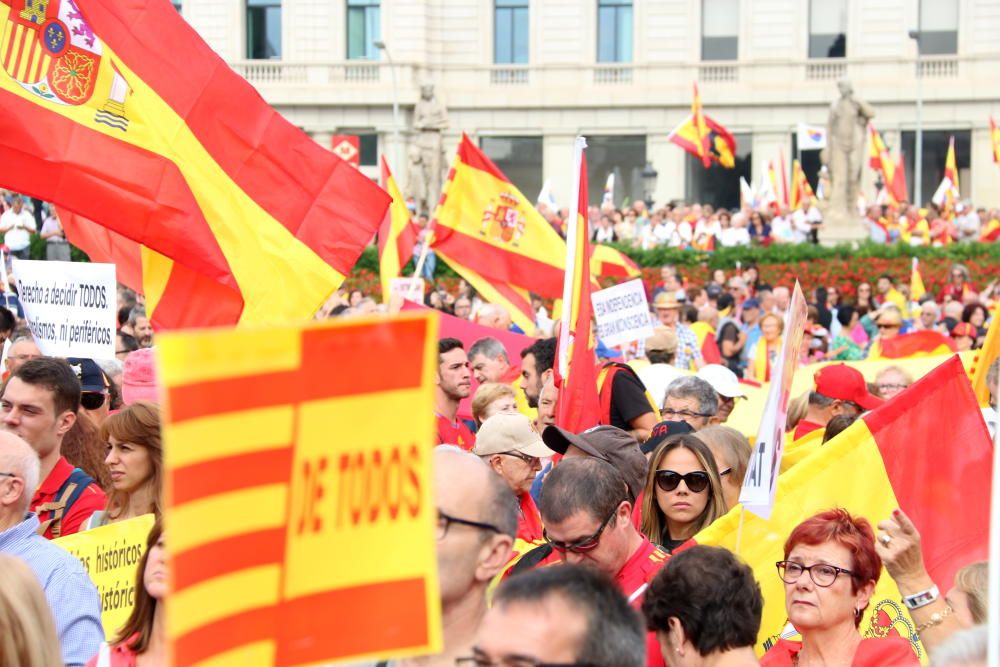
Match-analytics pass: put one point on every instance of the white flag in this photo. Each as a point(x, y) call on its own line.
point(811, 137)
point(547, 197)
point(609, 191)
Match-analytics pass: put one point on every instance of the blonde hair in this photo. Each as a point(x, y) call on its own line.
point(797, 409)
point(27, 630)
point(654, 521)
point(486, 394)
point(973, 580)
point(775, 316)
point(731, 446)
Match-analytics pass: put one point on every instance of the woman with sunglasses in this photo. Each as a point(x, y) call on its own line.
point(830, 571)
point(134, 461)
point(683, 492)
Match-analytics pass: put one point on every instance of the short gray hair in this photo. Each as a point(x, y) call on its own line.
point(692, 386)
point(962, 648)
point(490, 348)
point(18, 458)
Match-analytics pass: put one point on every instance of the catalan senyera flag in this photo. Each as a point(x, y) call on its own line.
point(917, 289)
point(889, 458)
point(995, 140)
point(285, 543)
point(608, 262)
point(181, 155)
point(984, 357)
point(578, 407)
point(177, 297)
point(800, 186)
point(492, 236)
point(396, 236)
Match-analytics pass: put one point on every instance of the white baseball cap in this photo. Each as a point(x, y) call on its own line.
point(723, 381)
point(504, 432)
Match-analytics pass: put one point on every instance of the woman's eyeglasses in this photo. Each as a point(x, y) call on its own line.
point(822, 574)
point(668, 480)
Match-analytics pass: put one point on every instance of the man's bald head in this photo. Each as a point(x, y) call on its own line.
point(18, 459)
point(465, 484)
point(494, 315)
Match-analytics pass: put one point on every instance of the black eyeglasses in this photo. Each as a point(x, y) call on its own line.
point(7, 474)
point(480, 660)
point(582, 545)
point(683, 413)
point(888, 326)
point(445, 520)
point(822, 574)
point(530, 460)
point(92, 400)
point(668, 480)
point(889, 386)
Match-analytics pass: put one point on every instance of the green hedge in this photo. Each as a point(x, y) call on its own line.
point(726, 258)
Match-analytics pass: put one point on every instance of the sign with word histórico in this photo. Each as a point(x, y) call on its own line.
point(622, 313)
point(110, 555)
point(70, 307)
point(298, 492)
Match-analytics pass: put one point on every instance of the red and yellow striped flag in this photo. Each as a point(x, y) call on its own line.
point(800, 186)
point(889, 458)
point(492, 236)
point(578, 407)
point(396, 236)
point(704, 138)
point(608, 262)
point(995, 140)
point(985, 356)
point(179, 154)
point(917, 289)
point(291, 547)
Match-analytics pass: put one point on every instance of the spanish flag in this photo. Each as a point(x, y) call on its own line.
point(180, 154)
point(892, 175)
point(396, 236)
point(917, 290)
point(177, 297)
point(800, 186)
point(704, 138)
point(608, 262)
point(492, 236)
point(914, 344)
point(578, 407)
point(889, 458)
point(985, 356)
point(995, 139)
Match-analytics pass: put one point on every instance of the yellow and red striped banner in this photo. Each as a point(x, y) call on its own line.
point(300, 517)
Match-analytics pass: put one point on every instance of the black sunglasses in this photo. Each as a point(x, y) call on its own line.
point(668, 480)
point(585, 544)
point(92, 400)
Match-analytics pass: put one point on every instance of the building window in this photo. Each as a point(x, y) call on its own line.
point(364, 28)
point(263, 29)
point(717, 185)
point(614, 31)
point(623, 156)
point(827, 28)
point(520, 159)
point(510, 32)
point(935, 151)
point(720, 29)
point(938, 27)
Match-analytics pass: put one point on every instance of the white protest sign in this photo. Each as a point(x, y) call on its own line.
point(622, 313)
point(69, 306)
point(757, 494)
point(411, 289)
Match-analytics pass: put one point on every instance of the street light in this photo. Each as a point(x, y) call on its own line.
point(397, 145)
point(649, 175)
point(918, 154)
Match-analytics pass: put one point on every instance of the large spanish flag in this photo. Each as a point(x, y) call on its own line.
point(396, 236)
point(492, 236)
point(123, 115)
point(290, 547)
point(608, 262)
point(895, 456)
point(914, 344)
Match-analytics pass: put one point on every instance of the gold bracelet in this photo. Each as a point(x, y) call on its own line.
point(937, 618)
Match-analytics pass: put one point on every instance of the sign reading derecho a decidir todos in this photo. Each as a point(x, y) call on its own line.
point(69, 306)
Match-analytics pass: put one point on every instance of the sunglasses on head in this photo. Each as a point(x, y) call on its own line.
point(92, 400)
point(668, 480)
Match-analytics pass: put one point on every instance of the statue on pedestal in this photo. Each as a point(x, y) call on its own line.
point(845, 154)
point(430, 118)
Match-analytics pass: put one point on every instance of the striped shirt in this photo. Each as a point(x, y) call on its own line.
point(72, 597)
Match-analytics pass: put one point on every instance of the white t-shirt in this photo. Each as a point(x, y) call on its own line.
point(17, 239)
point(657, 377)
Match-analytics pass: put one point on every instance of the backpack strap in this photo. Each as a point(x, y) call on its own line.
point(605, 381)
point(66, 496)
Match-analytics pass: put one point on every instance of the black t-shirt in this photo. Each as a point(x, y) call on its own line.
point(628, 399)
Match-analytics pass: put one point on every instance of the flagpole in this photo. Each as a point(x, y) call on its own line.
point(571, 240)
point(993, 637)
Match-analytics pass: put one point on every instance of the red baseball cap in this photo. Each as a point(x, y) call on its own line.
point(963, 329)
point(844, 383)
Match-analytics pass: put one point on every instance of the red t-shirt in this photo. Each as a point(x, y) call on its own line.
point(634, 578)
point(882, 652)
point(805, 427)
point(455, 433)
point(91, 500)
point(529, 525)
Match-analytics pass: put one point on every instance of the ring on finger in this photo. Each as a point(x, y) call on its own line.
point(885, 539)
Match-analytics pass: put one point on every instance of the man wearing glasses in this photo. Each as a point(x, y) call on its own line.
point(840, 389)
point(40, 404)
point(75, 604)
point(690, 399)
point(587, 512)
point(21, 350)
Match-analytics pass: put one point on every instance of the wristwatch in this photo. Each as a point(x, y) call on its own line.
point(921, 599)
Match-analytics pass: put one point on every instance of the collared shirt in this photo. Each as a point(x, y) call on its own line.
point(72, 597)
point(91, 500)
point(688, 350)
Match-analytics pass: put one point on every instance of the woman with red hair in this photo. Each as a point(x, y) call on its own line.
point(830, 571)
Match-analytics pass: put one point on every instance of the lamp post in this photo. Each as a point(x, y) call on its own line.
point(397, 144)
point(918, 153)
point(649, 175)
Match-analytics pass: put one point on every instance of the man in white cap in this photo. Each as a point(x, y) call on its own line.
point(509, 445)
point(726, 385)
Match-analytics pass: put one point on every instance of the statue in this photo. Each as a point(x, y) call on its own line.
point(430, 118)
point(416, 184)
point(845, 154)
